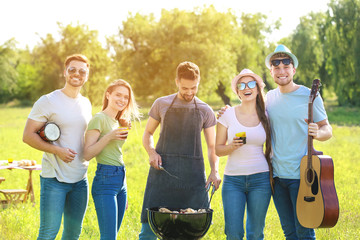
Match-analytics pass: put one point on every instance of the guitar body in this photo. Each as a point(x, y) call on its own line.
point(317, 205)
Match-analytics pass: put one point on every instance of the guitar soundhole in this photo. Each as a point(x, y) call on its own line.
point(309, 176)
point(315, 185)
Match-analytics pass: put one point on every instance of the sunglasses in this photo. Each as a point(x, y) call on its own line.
point(242, 86)
point(73, 70)
point(285, 61)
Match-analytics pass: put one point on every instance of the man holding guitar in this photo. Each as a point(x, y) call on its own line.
point(287, 106)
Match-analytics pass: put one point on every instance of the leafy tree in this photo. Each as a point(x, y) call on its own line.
point(306, 42)
point(27, 79)
point(342, 41)
point(8, 74)
point(49, 56)
point(149, 50)
point(253, 48)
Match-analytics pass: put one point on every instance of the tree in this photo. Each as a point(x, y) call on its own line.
point(27, 79)
point(149, 50)
point(8, 74)
point(49, 57)
point(342, 41)
point(306, 42)
point(253, 48)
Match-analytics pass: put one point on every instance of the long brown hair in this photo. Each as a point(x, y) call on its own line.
point(131, 111)
point(261, 112)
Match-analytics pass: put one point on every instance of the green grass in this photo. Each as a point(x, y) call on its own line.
point(22, 221)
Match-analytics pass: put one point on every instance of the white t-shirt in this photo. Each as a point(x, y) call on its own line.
point(249, 158)
point(72, 116)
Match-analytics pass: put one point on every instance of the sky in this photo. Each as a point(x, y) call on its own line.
point(28, 20)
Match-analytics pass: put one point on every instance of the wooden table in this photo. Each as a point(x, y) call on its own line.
point(29, 187)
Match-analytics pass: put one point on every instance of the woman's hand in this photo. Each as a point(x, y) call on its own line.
point(118, 134)
point(236, 143)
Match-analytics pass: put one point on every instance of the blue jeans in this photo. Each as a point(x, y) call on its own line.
point(58, 198)
point(109, 193)
point(250, 191)
point(146, 232)
point(285, 195)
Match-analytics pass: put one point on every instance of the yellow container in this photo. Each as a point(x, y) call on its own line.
point(10, 160)
point(242, 136)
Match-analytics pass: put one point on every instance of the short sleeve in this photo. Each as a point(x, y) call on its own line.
point(319, 112)
point(155, 111)
point(95, 123)
point(223, 119)
point(39, 111)
point(210, 119)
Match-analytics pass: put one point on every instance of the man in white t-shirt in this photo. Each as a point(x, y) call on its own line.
point(64, 185)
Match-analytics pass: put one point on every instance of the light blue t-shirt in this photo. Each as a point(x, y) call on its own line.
point(287, 112)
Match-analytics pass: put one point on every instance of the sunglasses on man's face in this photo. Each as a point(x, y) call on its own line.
point(285, 61)
point(73, 70)
point(242, 86)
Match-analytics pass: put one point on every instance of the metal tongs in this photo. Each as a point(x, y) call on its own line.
point(212, 193)
point(163, 169)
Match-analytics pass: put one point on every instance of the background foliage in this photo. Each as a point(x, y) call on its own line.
point(147, 50)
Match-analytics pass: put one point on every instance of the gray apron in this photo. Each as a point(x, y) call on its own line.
point(180, 149)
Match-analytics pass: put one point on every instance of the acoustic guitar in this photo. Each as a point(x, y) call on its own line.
point(317, 205)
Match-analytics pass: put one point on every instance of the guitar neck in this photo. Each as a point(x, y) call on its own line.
point(310, 138)
point(311, 150)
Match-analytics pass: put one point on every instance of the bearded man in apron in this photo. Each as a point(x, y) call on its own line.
point(182, 117)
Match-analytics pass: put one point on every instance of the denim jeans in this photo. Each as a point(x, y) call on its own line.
point(250, 191)
point(146, 232)
point(109, 193)
point(58, 198)
point(285, 195)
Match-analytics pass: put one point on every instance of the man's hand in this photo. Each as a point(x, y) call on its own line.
point(66, 154)
point(222, 111)
point(155, 160)
point(313, 130)
point(214, 177)
point(320, 131)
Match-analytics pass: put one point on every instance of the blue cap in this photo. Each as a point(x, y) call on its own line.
point(281, 49)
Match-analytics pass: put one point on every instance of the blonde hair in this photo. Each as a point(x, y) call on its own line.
point(131, 111)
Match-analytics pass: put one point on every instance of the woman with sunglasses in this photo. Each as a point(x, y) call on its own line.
point(105, 136)
point(248, 170)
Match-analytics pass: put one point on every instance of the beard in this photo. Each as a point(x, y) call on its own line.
point(187, 98)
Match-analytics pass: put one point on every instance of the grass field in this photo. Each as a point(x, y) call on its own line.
point(22, 221)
